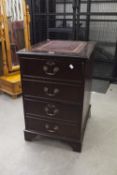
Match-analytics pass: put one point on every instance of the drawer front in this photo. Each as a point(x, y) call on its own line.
point(45, 68)
point(55, 111)
point(54, 128)
point(53, 90)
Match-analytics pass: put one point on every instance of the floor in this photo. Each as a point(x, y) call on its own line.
point(50, 157)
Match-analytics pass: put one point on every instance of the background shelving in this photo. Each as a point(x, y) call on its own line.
point(79, 20)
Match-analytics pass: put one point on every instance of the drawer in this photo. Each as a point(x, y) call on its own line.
point(52, 69)
point(53, 110)
point(53, 90)
point(53, 128)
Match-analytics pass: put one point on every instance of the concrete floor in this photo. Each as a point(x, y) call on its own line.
point(50, 157)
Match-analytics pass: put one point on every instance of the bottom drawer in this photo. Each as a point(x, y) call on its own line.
point(51, 127)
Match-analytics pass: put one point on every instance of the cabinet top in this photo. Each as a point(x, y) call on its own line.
point(60, 48)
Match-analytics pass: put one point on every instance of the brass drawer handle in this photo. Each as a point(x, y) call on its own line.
point(50, 68)
point(53, 130)
point(51, 110)
point(52, 72)
point(51, 94)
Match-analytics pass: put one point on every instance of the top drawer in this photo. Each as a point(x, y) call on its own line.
point(52, 69)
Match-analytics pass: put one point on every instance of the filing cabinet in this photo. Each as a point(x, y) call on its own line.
point(56, 81)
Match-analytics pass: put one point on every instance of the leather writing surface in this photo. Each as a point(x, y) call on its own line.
point(61, 47)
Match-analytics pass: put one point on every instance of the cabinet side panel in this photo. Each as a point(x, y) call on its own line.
point(87, 90)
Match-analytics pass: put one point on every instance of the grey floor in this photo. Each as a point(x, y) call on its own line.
point(50, 157)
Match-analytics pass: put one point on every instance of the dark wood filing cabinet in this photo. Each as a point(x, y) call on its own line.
point(56, 81)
